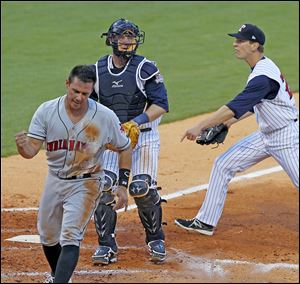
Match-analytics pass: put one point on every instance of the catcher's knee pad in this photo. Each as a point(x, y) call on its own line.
point(140, 185)
point(110, 182)
point(148, 203)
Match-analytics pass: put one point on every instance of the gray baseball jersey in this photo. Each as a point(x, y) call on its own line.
point(75, 156)
point(278, 137)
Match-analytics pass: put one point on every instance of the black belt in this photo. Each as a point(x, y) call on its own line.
point(146, 129)
point(79, 177)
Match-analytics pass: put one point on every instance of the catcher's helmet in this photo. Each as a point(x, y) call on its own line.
point(119, 30)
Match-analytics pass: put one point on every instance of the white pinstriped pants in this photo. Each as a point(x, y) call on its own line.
point(144, 156)
point(282, 145)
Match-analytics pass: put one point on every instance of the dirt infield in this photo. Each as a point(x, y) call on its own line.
point(256, 239)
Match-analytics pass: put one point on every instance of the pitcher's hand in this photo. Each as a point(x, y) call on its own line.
point(192, 133)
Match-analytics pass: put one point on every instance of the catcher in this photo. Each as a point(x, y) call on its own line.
point(131, 86)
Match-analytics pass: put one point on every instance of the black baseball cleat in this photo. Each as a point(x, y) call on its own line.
point(104, 255)
point(195, 225)
point(157, 251)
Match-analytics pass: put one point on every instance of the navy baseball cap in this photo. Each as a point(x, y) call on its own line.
point(250, 32)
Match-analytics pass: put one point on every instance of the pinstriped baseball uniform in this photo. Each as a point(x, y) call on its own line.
point(75, 157)
point(278, 137)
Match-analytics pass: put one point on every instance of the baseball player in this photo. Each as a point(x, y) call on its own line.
point(266, 94)
point(133, 88)
point(75, 131)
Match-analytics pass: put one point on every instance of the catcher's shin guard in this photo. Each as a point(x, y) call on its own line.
point(105, 219)
point(148, 203)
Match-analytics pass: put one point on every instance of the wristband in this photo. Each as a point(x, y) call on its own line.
point(124, 177)
point(141, 119)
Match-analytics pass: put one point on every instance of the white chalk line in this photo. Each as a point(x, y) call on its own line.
point(83, 272)
point(209, 267)
point(206, 264)
point(180, 192)
point(216, 266)
point(82, 247)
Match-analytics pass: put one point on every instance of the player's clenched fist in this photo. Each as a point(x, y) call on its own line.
point(21, 139)
point(27, 147)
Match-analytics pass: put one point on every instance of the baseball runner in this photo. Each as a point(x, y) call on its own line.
point(133, 88)
point(266, 94)
point(75, 131)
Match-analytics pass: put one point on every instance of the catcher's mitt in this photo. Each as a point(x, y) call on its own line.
point(212, 135)
point(132, 131)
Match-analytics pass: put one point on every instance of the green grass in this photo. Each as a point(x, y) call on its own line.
point(42, 41)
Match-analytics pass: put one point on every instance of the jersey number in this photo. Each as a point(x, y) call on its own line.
point(287, 88)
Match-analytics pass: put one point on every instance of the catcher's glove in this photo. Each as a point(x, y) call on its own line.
point(132, 131)
point(212, 135)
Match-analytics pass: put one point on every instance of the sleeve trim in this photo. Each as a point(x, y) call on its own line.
point(36, 136)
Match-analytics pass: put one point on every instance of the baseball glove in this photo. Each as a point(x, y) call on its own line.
point(132, 131)
point(212, 135)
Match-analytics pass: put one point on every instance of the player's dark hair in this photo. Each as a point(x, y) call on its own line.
point(85, 73)
point(260, 48)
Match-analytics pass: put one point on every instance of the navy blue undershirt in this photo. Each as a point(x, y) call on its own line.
point(258, 88)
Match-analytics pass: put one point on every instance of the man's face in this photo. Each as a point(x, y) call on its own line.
point(78, 93)
point(244, 48)
point(126, 41)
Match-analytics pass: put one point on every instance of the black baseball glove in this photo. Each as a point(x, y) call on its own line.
point(212, 135)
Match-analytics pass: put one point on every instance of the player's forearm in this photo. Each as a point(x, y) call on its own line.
point(27, 151)
point(220, 116)
point(125, 157)
point(233, 120)
point(154, 112)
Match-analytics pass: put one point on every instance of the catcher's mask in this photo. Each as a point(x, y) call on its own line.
point(124, 37)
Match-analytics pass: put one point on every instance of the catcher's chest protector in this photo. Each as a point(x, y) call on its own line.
point(120, 92)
